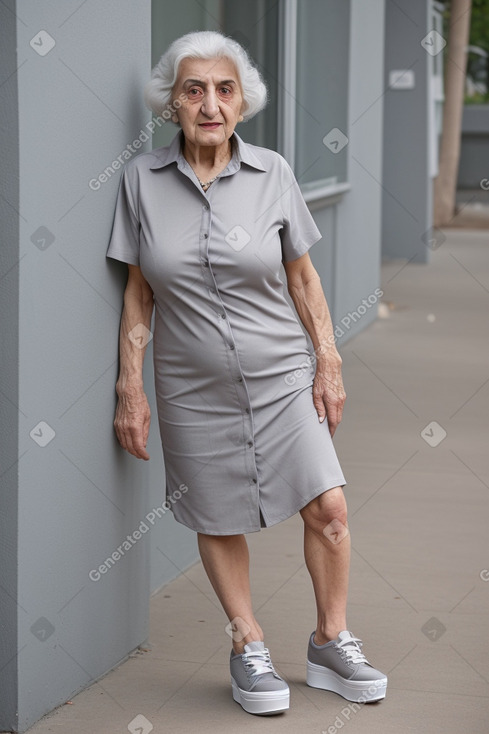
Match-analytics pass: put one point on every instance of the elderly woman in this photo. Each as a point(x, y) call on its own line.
point(246, 406)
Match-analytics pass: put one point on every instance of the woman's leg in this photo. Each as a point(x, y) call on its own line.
point(327, 555)
point(226, 561)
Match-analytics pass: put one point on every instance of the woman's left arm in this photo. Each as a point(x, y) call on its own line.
point(304, 286)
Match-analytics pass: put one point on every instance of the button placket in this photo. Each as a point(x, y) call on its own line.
point(203, 248)
point(228, 337)
point(247, 418)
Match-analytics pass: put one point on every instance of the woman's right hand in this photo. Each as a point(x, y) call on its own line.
point(131, 423)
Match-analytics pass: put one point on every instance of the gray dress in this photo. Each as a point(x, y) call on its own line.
point(233, 370)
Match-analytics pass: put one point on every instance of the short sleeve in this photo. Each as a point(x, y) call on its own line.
point(124, 240)
point(299, 231)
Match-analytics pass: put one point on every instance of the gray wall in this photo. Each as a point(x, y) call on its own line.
point(407, 192)
point(9, 383)
point(474, 153)
point(80, 495)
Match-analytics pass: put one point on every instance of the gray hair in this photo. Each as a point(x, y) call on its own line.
point(205, 45)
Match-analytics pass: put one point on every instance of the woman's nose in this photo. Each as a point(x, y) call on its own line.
point(210, 106)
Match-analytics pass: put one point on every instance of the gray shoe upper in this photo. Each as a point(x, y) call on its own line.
point(253, 670)
point(344, 656)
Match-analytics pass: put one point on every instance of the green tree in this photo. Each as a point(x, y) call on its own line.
point(478, 36)
point(455, 64)
point(479, 24)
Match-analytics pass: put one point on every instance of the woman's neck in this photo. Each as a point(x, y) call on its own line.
point(207, 158)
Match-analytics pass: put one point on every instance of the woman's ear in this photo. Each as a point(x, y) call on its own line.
point(174, 118)
point(240, 118)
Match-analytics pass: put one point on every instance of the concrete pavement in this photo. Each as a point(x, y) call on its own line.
point(414, 449)
point(472, 209)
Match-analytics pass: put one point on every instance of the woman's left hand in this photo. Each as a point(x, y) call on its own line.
point(328, 393)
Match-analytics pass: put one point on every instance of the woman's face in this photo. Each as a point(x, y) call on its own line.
point(213, 99)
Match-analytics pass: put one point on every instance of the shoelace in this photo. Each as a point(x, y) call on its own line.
point(257, 662)
point(351, 652)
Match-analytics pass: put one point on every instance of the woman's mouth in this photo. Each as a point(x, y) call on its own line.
point(210, 125)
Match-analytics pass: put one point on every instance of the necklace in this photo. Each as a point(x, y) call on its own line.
point(205, 184)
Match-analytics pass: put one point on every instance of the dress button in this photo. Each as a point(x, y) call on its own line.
point(239, 379)
point(205, 263)
point(205, 235)
point(231, 346)
point(205, 208)
point(247, 410)
point(253, 480)
point(250, 444)
point(223, 316)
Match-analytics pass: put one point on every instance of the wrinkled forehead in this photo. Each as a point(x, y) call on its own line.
point(207, 71)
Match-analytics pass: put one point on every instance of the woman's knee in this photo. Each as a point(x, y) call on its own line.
point(326, 509)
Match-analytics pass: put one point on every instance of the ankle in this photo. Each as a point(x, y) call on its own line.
point(254, 634)
point(323, 635)
point(238, 645)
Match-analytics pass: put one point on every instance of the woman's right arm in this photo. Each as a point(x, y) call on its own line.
point(133, 415)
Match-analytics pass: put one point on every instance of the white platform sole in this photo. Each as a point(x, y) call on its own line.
point(261, 702)
point(362, 691)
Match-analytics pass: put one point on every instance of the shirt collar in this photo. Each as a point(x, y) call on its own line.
point(242, 153)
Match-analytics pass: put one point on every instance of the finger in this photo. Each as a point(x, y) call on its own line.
point(332, 425)
point(318, 402)
point(331, 416)
point(138, 443)
point(142, 450)
point(128, 441)
point(130, 438)
point(334, 413)
point(320, 407)
point(142, 454)
point(140, 438)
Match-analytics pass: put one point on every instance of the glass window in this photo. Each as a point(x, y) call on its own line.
point(323, 30)
point(254, 24)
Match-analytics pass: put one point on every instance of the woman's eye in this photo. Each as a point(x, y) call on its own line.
point(225, 91)
point(194, 92)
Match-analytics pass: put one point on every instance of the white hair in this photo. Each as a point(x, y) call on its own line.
point(205, 45)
